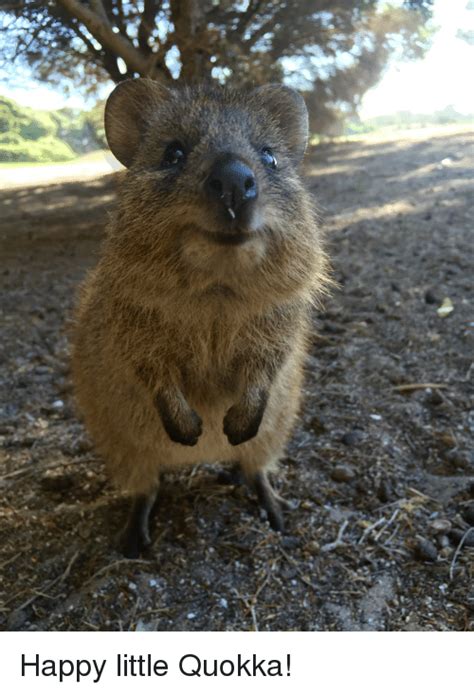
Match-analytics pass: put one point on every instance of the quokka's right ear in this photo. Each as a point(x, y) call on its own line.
point(127, 113)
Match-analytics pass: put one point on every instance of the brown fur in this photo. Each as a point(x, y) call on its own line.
point(185, 349)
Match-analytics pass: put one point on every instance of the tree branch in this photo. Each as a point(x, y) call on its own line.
point(147, 23)
point(102, 31)
point(99, 9)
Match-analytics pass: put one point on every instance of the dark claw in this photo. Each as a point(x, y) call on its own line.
point(134, 542)
point(136, 536)
point(269, 501)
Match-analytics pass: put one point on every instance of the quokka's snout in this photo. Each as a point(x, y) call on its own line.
point(232, 188)
point(190, 333)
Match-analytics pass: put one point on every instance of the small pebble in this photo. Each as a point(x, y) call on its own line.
point(395, 375)
point(443, 541)
point(445, 438)
point(318, 425)
point(434, 398)
point(468, 514)
point(385, 491)
point(7, 430)
point(42, 370)
point(446, 552)
point(313, 546)
point(288, 542)
point(440, 525)
point(352, 438)
point(82, 445)
point(342, 473)
point(334, 328)
point(375, 417)
point(431, 297)
point(461, 460)
point(57, 481)
point(425, 550)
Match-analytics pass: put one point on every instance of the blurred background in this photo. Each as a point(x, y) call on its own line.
point(363, 66)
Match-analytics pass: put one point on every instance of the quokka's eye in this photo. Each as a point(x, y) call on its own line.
point(268, 158)
point(174, 155)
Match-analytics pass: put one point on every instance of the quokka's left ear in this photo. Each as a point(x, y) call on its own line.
point(287, 107)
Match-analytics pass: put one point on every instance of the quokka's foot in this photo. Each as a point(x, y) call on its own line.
point(230, 475)
point(136, 536)
point(270, 501)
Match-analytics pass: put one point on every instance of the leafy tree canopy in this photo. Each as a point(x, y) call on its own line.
point(333, 50)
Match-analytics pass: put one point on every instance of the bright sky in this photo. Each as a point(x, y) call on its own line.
point(444, 77)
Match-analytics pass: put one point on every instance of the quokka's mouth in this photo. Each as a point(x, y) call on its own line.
point(233, 238)
point(223, 235)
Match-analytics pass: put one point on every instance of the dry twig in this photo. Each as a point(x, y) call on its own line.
point(338, 541)
point(458, 551)
point(408, 387)
point(58, 579)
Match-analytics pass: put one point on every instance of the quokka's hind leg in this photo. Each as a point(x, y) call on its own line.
point(268, 499)
point(136, 535)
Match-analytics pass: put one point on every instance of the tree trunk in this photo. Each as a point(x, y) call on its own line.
point(193, 39)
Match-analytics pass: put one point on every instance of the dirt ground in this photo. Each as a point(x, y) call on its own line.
point(380, 467)
point(87, 167)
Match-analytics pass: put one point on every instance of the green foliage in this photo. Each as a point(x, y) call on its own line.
point(44, 149)
point(356, 127)
point(39, 125)
point(94, 121)
point(27, 134)
point(407, 119)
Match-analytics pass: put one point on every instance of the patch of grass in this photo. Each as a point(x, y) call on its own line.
point(31, 135)
point(44, 149)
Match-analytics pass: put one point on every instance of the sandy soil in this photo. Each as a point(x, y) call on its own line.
point(75, 171)
point(381, 465)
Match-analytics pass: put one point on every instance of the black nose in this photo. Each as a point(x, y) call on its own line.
point(232, 183)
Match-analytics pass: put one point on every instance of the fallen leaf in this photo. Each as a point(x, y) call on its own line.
point(446, 308)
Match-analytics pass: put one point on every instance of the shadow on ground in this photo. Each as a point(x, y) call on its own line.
point(380, 467)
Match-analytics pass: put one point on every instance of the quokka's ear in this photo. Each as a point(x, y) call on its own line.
point(288, 109)
point(127, 113)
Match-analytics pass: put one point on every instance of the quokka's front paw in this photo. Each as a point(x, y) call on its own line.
point(183, 425)
point(241, 425)
point(185, 432)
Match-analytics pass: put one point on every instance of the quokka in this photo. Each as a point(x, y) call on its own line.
point(189, 335)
